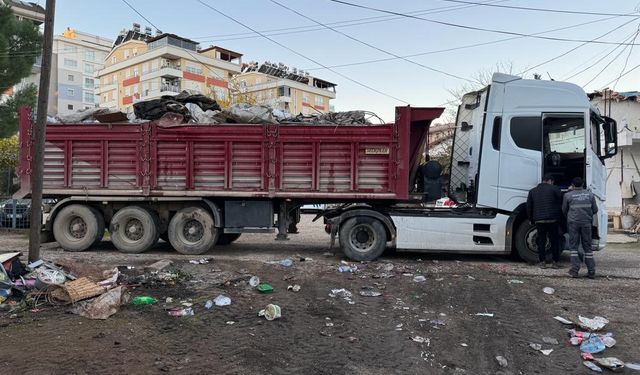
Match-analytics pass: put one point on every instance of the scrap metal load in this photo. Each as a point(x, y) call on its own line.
point(291, 160)
point(186, 108)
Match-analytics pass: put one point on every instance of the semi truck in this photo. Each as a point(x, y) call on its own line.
point(199, 186)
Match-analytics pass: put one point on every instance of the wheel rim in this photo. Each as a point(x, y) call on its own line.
point(531, 238)
point(77, 228)
point(133, 230)
point(193, 231)
point(362, 238)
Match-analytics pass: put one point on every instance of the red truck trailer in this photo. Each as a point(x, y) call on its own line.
point(198, 185)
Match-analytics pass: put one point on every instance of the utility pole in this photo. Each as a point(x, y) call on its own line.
point(39, 132)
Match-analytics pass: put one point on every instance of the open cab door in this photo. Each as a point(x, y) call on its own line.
point(603, 141)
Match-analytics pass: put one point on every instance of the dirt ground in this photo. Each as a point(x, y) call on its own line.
point(319, 334)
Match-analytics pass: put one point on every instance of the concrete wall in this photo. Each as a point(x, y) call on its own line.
point(624, 168)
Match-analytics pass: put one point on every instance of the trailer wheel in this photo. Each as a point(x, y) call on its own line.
point(525, 242)
point(77, 227)
point(101, 225)
point(227, 238)
point(192, 231)
point(362, 238)
point(134, 229)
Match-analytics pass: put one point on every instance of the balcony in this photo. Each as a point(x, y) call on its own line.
point(165, 71)
point(100, 89)
point(170, 88)
point(283, 99)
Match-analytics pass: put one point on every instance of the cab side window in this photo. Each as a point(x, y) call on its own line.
point(526, 132)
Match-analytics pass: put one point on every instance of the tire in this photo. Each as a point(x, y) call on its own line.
point(227, 238)
point(363, 238)
point(192, 231)
point(101, 225)
point(77, 227)
point(525, 242)
point(134, 229)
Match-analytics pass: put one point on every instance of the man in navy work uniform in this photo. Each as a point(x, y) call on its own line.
point(543, 210)
point(579, 206)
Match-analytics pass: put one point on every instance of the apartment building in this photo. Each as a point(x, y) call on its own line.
point(143, 67)
point(287, 89)
point(77, 57)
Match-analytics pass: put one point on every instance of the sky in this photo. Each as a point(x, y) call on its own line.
point(429, 79)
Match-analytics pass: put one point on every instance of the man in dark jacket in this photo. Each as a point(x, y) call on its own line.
point(579, 206)
point(543, 210)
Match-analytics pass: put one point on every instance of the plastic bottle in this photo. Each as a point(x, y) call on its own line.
point(144, 300)
point(222, 300)
point(208, 305)
point(286, 262)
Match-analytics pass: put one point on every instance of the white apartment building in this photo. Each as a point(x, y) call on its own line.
point(77, 57)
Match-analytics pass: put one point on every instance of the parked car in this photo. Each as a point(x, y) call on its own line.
point(21, 208)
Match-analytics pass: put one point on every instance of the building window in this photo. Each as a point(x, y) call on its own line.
point(89, 55)
point(127, 91)
point(104, 98)
point(135, 72)
point(89, 68)
point(88, 97)
point(305, 97)
point(70, 78)
point(127, 73)
point(126, 54)
point(145, 68)
point(135, 52)
point(70, 48)
point(114, 59)
point(194, 69)
point(70, 63)
point(70, 107)
point(319, 100)
point(89, 83)
point(70, 93)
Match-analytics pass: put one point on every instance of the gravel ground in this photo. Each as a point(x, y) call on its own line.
point(428, 327)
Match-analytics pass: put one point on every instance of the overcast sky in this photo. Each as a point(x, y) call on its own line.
point(399, 36)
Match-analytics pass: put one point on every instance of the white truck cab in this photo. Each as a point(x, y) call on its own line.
point(507, 136)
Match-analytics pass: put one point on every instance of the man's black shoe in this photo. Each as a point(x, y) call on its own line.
point(573, 274)
point(591, 275)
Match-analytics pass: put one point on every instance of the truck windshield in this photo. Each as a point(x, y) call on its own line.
point(568, 137)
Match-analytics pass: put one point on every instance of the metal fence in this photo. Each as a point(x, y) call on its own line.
point(15, 213)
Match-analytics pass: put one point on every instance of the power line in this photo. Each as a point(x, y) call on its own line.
point(622, 75)
point(347, 23)
point(466, 46)
point(606, 54)
point(540, 9)
point(371, 45)
point(626, 61)
point(579, 46)
point(606, 66)
point(141, 15)
point(300, 54)
point(466, 27)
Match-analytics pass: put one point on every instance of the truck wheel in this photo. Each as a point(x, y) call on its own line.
point(526, 242)
point(192, 231)
point(77, 227)
point(227, 238)
point(101, 225)
point(134, 229)
point(362, 238)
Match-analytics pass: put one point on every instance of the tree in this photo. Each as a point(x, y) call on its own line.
point(20, 44)
point(28, 97)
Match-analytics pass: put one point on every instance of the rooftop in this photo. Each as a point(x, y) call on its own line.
point(615, 96)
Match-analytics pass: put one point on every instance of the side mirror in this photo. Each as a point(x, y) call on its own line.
point(610, 130)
